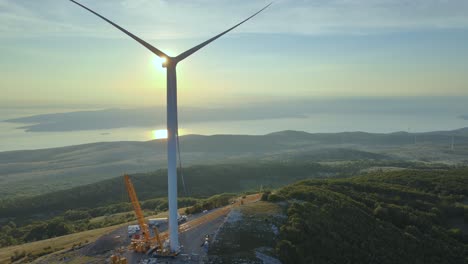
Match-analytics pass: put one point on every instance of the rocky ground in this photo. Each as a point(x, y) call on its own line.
point(248, 235)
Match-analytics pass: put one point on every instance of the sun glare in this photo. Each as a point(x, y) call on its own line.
point(158, 62)
point(159, 134)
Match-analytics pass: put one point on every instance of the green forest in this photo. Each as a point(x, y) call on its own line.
point(201, 181)
point(411, 216)
point(337, 212)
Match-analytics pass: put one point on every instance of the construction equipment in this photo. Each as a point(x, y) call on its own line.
point(118, 258)
point(138, 244)
point(144, 243)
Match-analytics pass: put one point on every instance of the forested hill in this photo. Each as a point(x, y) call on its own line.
point(200, 181)
point(396, 217)
point(33, 172)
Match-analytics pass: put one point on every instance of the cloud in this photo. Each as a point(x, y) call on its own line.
point(202, 18)
point(28, 19)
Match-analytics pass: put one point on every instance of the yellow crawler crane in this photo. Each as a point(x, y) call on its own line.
point(145, 243)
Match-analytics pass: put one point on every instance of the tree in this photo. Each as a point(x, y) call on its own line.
point(287, 252)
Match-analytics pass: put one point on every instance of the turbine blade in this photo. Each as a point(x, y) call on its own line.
point(189, 52)
point(142, 42)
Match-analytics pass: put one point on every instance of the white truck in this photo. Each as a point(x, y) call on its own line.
point(133, 229)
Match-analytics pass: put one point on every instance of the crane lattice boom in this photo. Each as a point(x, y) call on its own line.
point(137, 208)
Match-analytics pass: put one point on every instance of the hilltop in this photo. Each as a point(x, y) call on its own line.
point(33, 172)
point(409, 216)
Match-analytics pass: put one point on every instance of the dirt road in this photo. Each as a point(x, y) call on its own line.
point(192, 236)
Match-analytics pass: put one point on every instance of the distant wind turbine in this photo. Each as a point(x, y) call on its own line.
point(172, 123)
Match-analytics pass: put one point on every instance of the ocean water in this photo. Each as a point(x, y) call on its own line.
point(12, 138)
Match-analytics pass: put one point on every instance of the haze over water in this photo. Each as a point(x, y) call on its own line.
point(321, 116)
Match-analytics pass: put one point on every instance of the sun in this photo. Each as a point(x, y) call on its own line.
point(159, 134)
point(158, 62)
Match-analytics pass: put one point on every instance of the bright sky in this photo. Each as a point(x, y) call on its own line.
point(53, 52)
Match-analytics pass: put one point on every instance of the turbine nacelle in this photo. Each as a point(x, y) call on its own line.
point(168, 61)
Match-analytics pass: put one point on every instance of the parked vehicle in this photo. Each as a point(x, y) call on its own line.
point(133, 229)
point(181, 219)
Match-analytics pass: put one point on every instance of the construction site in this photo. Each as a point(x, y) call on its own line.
point(149, 243)
point(147, 240)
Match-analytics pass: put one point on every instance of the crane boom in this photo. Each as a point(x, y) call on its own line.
point(137, 208)
point(145, 244)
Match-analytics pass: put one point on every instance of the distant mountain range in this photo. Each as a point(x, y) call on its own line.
point(32, 172)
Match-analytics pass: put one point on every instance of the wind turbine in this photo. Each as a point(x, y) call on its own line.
point(172, 124)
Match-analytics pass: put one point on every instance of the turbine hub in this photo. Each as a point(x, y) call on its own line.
point(168, 61)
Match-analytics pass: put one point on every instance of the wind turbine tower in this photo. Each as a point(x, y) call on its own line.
point(172, 123)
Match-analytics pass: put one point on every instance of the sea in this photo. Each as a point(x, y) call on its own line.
point(13, 137)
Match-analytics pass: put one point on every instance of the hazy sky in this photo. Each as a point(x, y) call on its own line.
point(53, 52)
